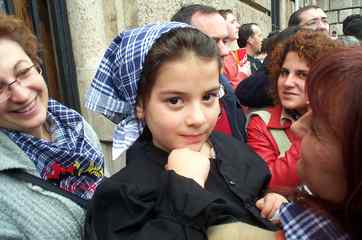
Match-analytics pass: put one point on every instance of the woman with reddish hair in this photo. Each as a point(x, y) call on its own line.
point(268, 130)
point(330, 163)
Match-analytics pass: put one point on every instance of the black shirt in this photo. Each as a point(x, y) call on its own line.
point(144, 201)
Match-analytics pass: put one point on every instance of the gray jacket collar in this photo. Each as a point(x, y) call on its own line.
point(13, 157)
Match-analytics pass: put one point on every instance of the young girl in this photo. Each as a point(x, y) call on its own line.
point(180, 177)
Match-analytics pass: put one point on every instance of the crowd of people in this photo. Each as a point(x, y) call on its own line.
point(258, 142)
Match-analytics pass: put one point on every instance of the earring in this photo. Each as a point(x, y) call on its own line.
point(221, 111)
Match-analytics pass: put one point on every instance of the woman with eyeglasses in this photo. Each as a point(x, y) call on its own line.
point(41, 138)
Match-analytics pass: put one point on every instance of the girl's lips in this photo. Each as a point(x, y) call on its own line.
point(192, 139)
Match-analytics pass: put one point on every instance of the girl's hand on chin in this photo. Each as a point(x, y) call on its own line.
point(190, 164)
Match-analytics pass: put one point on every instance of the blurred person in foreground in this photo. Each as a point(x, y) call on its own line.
point(330, 163)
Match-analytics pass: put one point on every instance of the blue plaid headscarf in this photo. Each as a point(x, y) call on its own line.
point(70, 161)
point(113, 90)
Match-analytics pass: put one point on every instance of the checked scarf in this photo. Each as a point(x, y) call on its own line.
point(70, 160)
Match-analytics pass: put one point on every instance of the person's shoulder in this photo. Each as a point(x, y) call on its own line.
point(229, 144)
point(239, 156)
point(254, 60)
point(144, 165)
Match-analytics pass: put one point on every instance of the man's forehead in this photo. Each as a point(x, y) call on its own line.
point(313, 13)
point(230, 17)
point(213, 25)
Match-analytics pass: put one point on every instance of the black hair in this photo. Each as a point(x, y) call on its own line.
point(352, 26)
point(245, 32)
point(278, 38)
point(225, 12)
point(348, 20)
point(185, 13)
point(294, 19)
point(266, 44)
point(171, 46)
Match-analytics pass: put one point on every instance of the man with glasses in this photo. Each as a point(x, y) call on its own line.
point(311, 17)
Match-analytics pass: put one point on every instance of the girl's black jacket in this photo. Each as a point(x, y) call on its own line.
point(144, 201)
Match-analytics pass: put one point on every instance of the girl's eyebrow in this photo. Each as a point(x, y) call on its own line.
point(176, 92)
point(171, 92)
point(214, 89)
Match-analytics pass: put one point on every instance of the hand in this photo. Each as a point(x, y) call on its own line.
point(270, 204)
point(190, 164)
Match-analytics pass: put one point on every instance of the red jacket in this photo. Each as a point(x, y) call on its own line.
point(232, 70)
point(283, 168)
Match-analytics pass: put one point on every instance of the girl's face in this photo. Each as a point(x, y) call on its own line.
point(183, 106)
point(291, 83)
point(320, 167)
point(26, 107)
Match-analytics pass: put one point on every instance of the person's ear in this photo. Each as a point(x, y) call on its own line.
point(250, 40)
point(140, 113)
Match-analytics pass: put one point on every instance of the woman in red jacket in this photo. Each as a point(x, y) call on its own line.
point(268, 130)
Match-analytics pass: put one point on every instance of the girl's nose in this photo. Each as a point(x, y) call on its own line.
point(196, 116)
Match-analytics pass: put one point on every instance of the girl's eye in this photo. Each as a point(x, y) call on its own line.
point(284, 72)
point(210, 97)
point(174, 101)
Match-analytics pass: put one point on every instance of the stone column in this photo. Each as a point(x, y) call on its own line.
point(86, 22)
point(284, 14)
point(89, 40)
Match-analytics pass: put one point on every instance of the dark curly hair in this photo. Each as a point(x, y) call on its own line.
point(308, 44)
point(16, 30)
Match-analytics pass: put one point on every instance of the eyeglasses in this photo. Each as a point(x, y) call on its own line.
point(22, 76)
point(314, 23)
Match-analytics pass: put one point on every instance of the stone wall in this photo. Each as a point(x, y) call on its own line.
point(140, 12)
point(94, 23)
point(338, 10)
